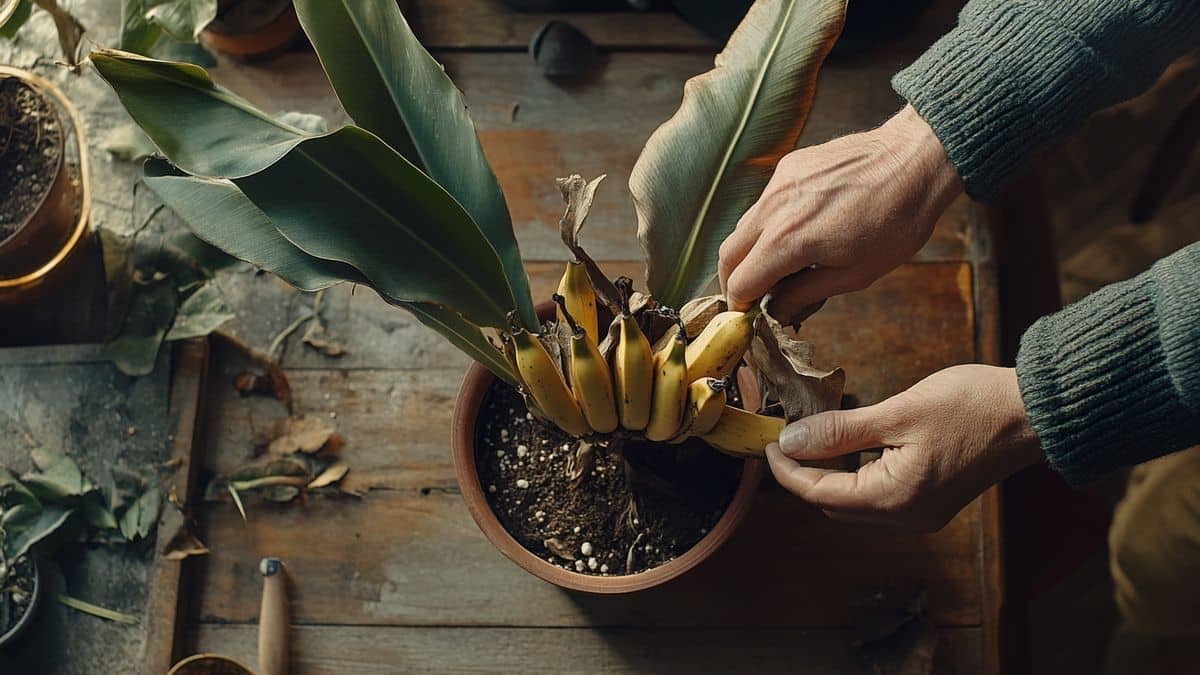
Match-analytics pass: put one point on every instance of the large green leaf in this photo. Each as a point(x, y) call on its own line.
point(345, 196)
point(704, 167)
point(220, 214)
point(25, 527)
point(182, 19)
point(391, 86)
point(217, 212)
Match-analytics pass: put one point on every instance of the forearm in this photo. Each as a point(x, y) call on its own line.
point(1114, 379)
point(1016, 75)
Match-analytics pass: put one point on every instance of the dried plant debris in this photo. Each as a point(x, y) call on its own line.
point(787, 376)
point(578, 195)
point(300, 455)
point(317, 335)
point(267, 378)
point(184, 545)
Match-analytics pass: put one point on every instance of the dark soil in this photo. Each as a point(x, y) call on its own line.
point(30, 147)
point(16, 594)
point(637, 506)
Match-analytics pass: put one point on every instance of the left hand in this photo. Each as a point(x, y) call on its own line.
point(946, 439)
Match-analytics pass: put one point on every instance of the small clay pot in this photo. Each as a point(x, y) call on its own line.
point(253, 30)
point(471, 396)
point(27, 618)
point(50, 245)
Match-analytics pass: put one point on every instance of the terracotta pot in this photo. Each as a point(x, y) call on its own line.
point(466, 412)
point(50, 246)
point(253, 29)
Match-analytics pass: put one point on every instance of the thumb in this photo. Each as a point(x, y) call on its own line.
point(832, 434)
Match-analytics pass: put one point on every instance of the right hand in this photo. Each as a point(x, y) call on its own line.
point(837, 216)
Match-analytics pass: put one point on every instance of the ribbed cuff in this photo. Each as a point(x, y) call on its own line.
point(1114, 380)
point(1015, 76)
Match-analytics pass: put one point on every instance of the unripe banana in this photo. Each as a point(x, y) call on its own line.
point(670, 389)
point(633, 374)
point(719, 347)
point(591, 379)
point(576, 289)
point(545, 383)
point(744, 434)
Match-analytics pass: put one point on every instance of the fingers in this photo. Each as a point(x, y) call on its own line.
point(835, 433)
point(851, 493)
point(764, 266)
point(794, 295)
point(738, 244)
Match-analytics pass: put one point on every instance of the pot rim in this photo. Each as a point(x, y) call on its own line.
point(34, 602)
point(471, 394)
point(81, 225)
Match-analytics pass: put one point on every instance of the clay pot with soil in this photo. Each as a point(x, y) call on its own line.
point(252, 29)
point(20, 596)
point(609, 442)
point(43, 196)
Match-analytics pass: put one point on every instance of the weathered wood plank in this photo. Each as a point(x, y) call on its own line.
point(534, 130)
point(401, 557)
point(318, 650)
point(490, 24)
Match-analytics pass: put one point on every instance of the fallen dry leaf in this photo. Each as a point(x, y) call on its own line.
point(555, 546)
point(787, 376)
point(332, 474)
point(287, 435)
point(183, 545)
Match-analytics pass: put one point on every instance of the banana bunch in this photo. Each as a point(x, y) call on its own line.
point(669, 395)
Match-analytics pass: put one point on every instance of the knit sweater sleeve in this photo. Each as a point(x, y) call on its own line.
point(1016, 75)
point(1114, 379)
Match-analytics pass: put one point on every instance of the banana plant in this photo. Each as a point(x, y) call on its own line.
point(403, 200)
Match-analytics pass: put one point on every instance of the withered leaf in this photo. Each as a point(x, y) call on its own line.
point(280, 493)
point(332, 474)
point(578, 195)
point(271, 381)
point(787, 314)
point(303, 433)
point(786, 374)
point(316, 336)
point(697, 313)
point(581, 463)
point(183, 545)
point(610, 339)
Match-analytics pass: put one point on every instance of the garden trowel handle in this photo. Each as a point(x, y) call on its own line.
point(273, 620)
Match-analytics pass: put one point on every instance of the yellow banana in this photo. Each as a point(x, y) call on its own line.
point(576, 289)
point(670, 389)
point(632, 366)
point(545, 383)
point(744, 434)
point(705, 403)
point(591, 379)
point(719, 347)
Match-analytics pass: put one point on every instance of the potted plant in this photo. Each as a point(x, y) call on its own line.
point(52, 506)
point(43, 191)
point(244, 29)
point(583, 439)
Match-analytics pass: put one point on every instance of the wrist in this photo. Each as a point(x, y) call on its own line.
point(913, 142)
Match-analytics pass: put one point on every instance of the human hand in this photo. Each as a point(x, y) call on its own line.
point(947, 439)
point(837, 216)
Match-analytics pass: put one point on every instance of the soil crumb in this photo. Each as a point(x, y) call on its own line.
point(632, 508)
point(30, 148)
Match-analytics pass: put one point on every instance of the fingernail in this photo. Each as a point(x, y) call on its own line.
point(794, 439)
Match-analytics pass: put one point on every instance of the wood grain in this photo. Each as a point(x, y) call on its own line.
point(337, 650)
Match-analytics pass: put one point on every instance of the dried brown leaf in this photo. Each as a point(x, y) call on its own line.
point(787, 376)
point(316, 335)
point(558, 548)
point(581, 463)
point(183, 545)
point(303, 433)
point(578, 195)
point(332, 474)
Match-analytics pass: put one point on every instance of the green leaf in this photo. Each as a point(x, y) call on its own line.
point(203, 312)
point(20, 14)
point(465, 335)
point(137, 33)
point(202, 128)
point(308, 122)
point(344, 196)
point(183, 20)
point(58, 476)
point(135, 350)
point(390, 85)
point(97, 610)
point(97, 513)
point(704, 167)
point(31, 527)
point(140, 517)
point(218, 212)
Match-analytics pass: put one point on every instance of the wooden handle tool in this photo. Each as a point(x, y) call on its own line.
point(273, 620)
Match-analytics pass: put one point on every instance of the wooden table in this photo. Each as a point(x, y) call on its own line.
point(402, 580)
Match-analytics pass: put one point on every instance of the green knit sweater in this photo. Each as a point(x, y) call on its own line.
point(1114, 379)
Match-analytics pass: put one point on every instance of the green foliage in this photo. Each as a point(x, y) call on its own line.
point(155, 26)
point(56, 503)
point(702, 169)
